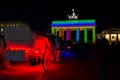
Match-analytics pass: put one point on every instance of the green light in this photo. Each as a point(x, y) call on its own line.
point(53, 31)
point(85, 35)
point(93, 35)
point(73, 21)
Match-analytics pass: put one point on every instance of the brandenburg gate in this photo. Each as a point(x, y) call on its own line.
point(63, 28)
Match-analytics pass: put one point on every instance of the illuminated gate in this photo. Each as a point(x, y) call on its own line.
point(74, 25)
point(80, 26)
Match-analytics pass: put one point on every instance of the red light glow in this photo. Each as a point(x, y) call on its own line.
point(36, 51)
point(69, 47)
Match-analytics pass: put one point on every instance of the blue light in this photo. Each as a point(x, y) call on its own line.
point(65, 54)
point(74, 54)
point(77, 35)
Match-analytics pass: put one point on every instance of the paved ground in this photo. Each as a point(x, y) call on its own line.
point(67, 69)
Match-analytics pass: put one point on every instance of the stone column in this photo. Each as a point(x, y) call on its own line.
point(93, 35)
point(85, 35)
point(68, 32)
point(77, 34)
point(61, 34)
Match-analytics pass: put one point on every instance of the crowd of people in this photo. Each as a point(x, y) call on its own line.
point(106, 57)
point(3, 45)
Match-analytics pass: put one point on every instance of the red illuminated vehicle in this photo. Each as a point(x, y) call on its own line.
point(41, 52)
point(25, 45)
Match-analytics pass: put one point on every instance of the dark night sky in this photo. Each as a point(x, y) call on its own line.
point(40, 13)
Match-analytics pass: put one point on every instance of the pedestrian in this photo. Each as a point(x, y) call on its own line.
point(3, 63)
